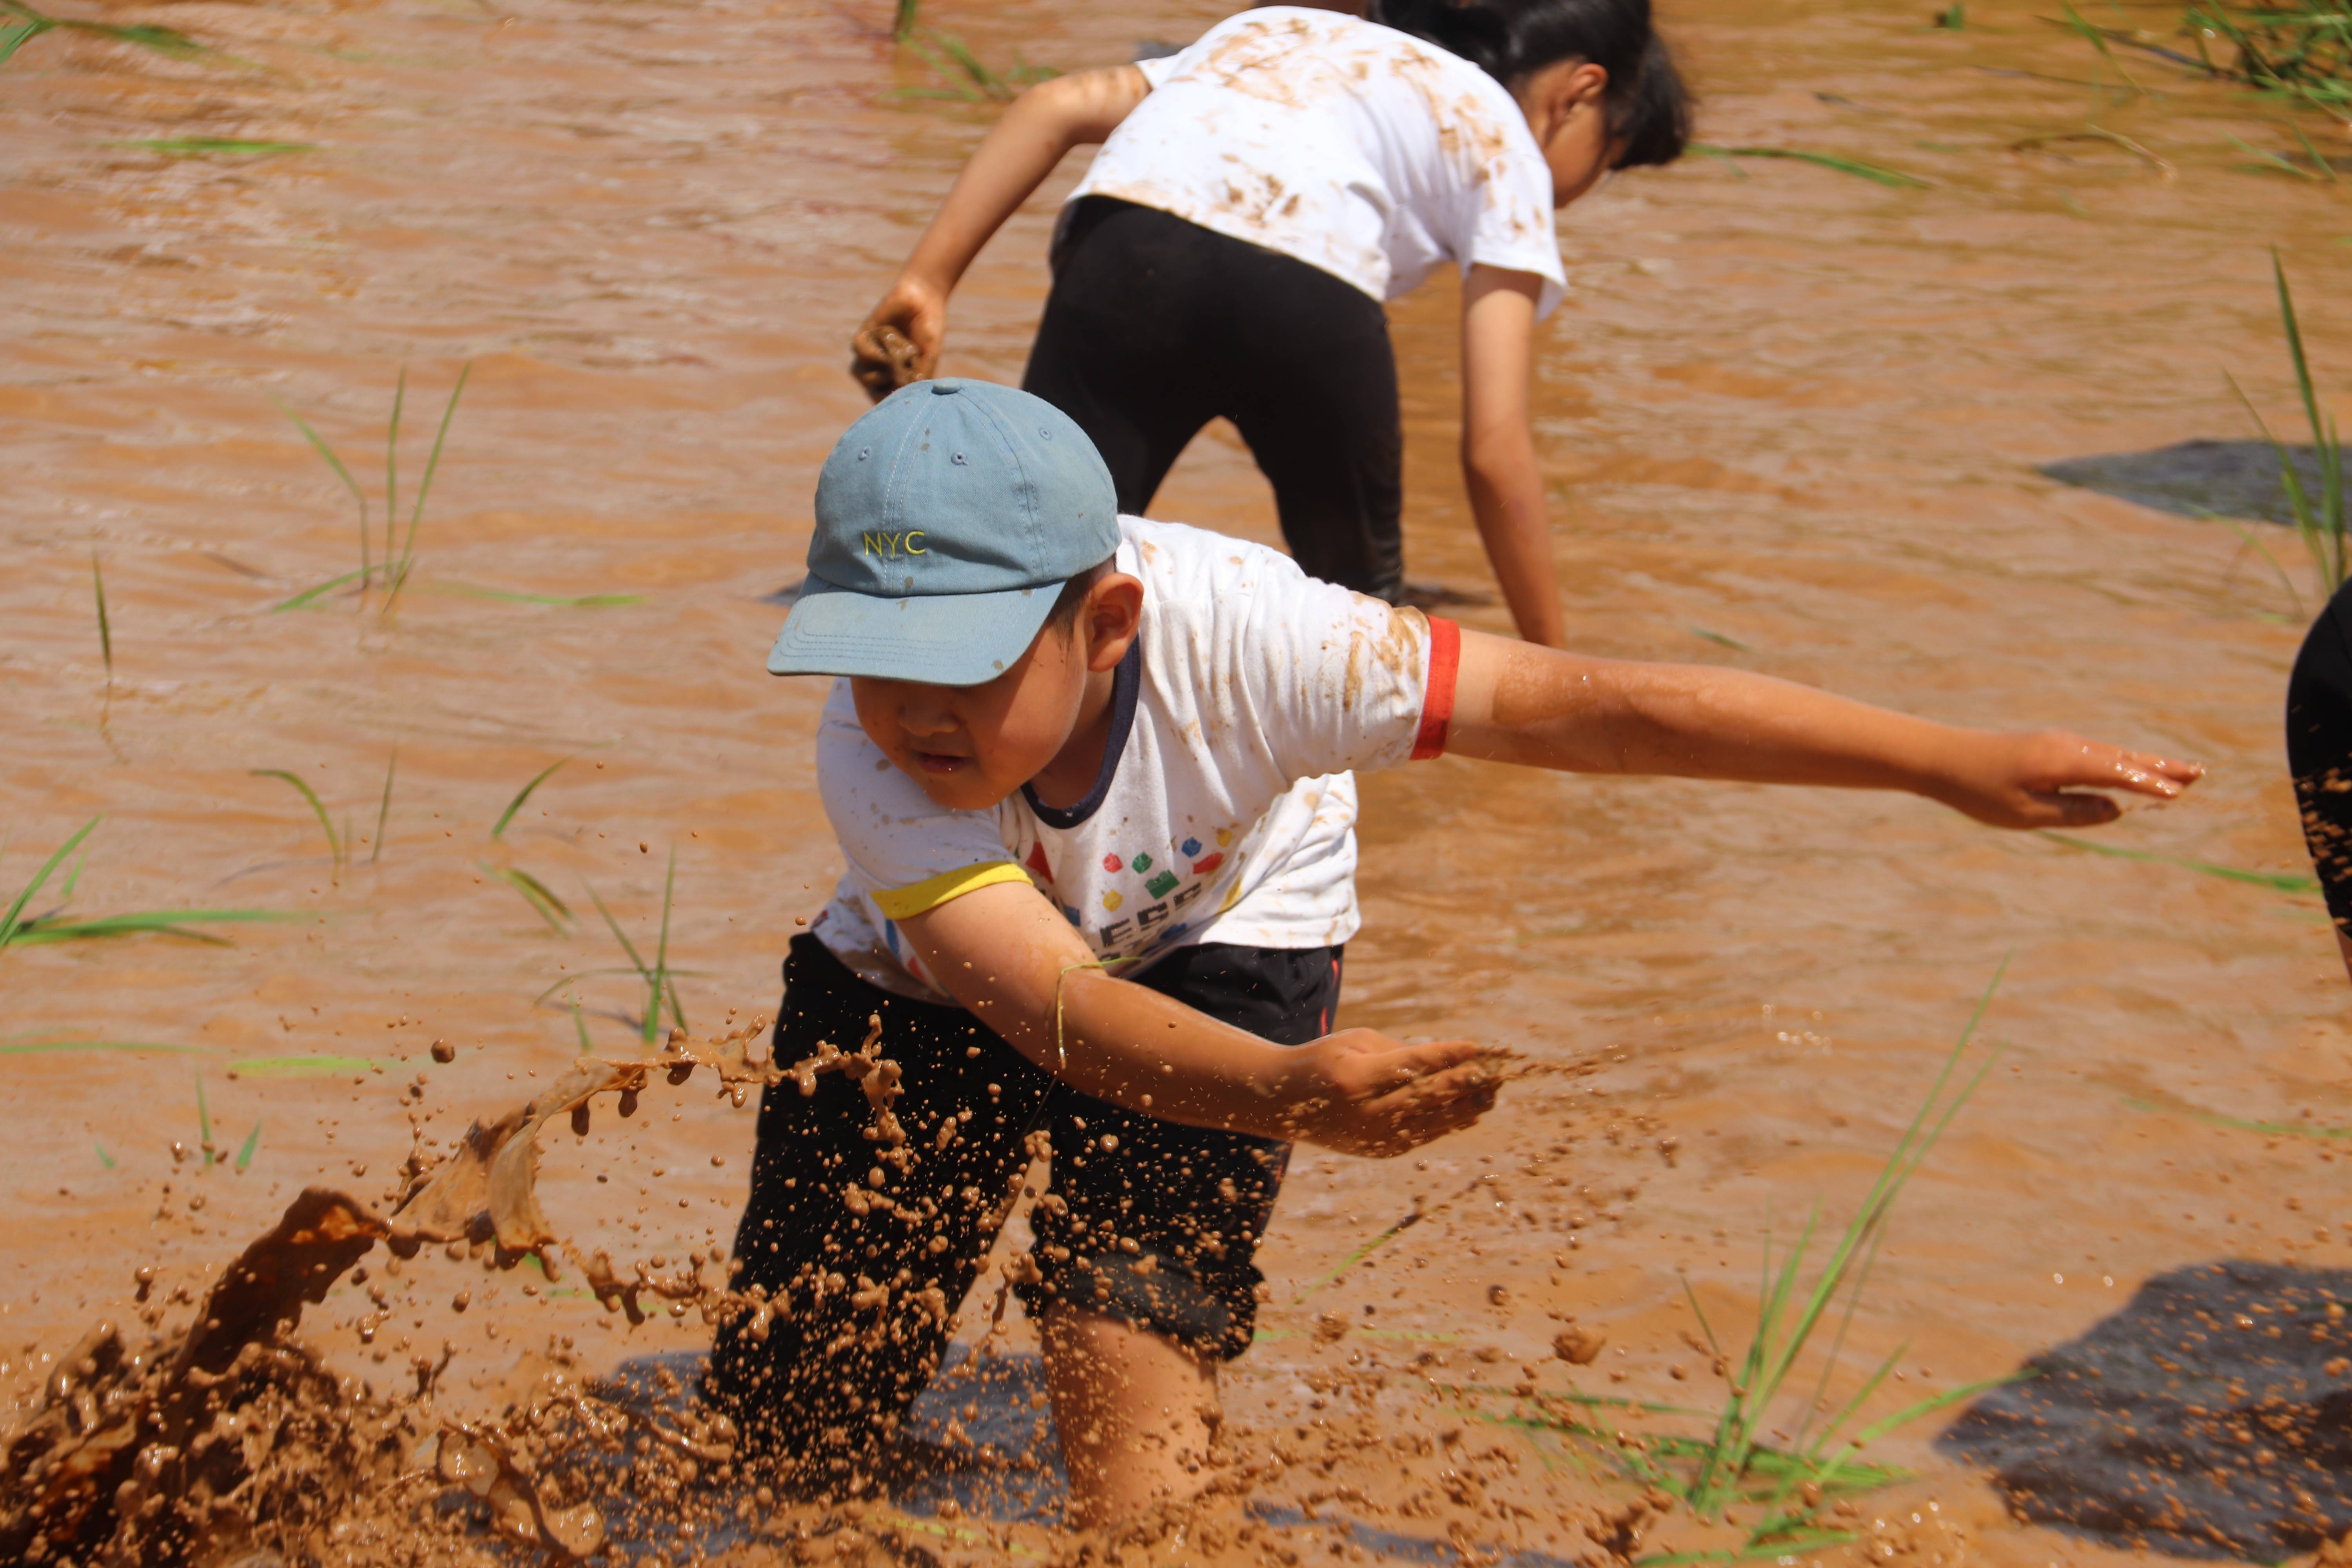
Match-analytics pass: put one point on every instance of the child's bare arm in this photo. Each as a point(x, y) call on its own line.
point(1498, 448)
point(1002, 950)
point(900, 341)
point(1517, 703)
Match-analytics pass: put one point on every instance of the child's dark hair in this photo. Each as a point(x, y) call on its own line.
point(1063, 618)
point(1648, 109)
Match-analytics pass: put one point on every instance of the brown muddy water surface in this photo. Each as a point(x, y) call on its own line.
point(1793, 418)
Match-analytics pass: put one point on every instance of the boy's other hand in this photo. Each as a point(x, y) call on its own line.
point(1364, 1093)
point(2038, 780)
point(899, 343)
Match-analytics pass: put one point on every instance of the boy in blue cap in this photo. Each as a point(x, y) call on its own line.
point(1092, 777)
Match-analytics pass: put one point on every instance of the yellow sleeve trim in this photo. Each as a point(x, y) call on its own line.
point(899, 903)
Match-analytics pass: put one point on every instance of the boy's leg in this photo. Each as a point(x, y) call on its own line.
point(865, 1276)
point(1137, 1413)
point(1119, 349)
point(1148, 1237)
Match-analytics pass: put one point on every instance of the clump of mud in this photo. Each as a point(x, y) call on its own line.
point(228, 1444)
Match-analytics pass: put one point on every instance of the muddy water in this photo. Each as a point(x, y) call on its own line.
point(1785, 409)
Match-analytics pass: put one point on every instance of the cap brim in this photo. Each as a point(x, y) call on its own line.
point(941, 640)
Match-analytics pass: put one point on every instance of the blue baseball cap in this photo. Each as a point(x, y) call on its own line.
point(948, 519)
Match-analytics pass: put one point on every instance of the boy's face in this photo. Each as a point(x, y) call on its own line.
point(972, 746)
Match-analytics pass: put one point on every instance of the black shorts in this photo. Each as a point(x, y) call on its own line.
point(1157, 326)
point(1146, 1220)
point(2319, 750)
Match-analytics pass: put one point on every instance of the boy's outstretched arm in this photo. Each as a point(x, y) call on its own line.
point(900, 341)
point(1004, 951)
point(1515, 703)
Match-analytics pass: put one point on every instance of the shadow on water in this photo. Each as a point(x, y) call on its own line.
point(2211, 1417)
point(979, 1446)
point(2196, 478)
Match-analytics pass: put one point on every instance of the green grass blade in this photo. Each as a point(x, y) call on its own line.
point(619, 935)
point(105, 630)
point(902, 26)
point(10, 42)
point(150, 922)
point(2277, 881)
point(13, 920)
point(587, 1047)
point(523, 795)
point(104, 1157)
point(2325, 165)
point(557, 601)
point(204, 1122)
point(244, 1154)
point(367, 569)
point(78, 1048)
point(661, 981)
point(211, 146)
point(2295, 596)
point(298, 1066)
point(391, 467)
point(1358, 1256)
point(334, 845)
point(73, 877)
point(308, 596)
point(536, 893)
point(1877, 172)
point(424, 486)
point(2322, 431)
point(383, 808)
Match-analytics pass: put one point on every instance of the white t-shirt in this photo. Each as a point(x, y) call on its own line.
point(1226, 810)
point(1353, 147)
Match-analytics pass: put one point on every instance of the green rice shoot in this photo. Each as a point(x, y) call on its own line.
point(318, 809)
point(383, 808)
point(105, 627)
point(2277, 881)
point(214, 146)
point(205, 1124)
point(399, 560)
point(660, 980)
point(245, 1153)
point(523, 795)
point(2298, 52)
point(2318, 520)
point(1782, 1492)
point(298, 1066)
point(31, 24)
point(1877, 173)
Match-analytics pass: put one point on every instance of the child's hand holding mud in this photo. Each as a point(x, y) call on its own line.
point(1360, 1092)
point(899, 343)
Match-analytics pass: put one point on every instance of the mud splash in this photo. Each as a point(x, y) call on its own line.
point(229, 1438)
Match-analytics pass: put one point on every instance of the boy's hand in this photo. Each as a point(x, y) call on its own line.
point(2036, 780)
point(899, 343)
point(1363, 1093)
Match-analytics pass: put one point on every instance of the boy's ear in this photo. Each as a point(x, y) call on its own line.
point(1111, 618)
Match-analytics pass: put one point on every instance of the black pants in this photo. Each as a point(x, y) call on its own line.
point(2319, 750)
point(1144, 1219)
point(1157, 326)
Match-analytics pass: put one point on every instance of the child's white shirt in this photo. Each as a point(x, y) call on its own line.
point(1356, 148)
point(1226, 808)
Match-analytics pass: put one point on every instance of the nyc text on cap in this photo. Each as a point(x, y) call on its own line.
point(947, 519)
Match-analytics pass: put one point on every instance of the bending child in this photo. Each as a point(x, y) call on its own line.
point(1259, 194)
point(1092, 777)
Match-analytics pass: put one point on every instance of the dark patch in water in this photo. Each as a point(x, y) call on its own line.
point(2212, 1417)
point(2197, 478)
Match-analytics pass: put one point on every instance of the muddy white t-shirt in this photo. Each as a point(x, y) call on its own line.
point(1224, 811)
point(1353, 147)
